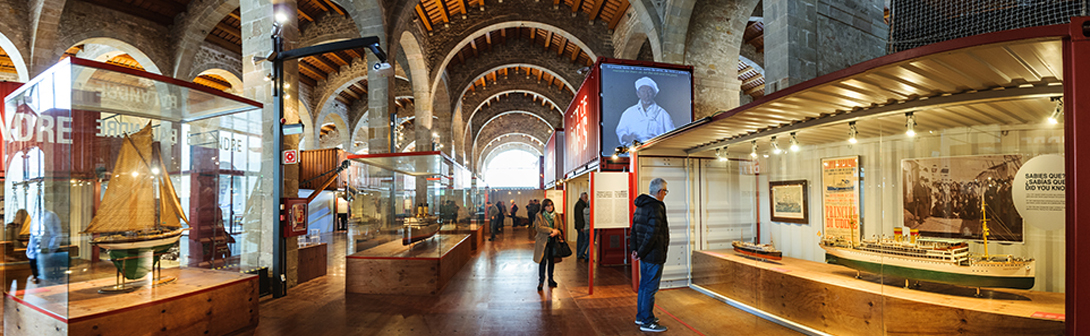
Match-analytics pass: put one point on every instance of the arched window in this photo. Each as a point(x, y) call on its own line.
point(514, 168)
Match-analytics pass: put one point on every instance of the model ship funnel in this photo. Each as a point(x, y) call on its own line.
point(129, 202)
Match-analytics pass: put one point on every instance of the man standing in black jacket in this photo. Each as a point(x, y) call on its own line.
point(649, 240)
point(583, 244)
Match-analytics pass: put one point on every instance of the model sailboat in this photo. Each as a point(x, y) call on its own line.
point(132, 223)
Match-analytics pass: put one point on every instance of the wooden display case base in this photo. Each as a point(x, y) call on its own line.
point(199, 302)
point(313, 262)
point(475, 232)
point(418, 269)
point(829, 298)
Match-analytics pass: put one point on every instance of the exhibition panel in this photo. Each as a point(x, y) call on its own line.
point(122, 185)
point(916, 193)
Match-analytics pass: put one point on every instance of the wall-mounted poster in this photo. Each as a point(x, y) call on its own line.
point(840, 195)
point(789, 201)
point(942, 196)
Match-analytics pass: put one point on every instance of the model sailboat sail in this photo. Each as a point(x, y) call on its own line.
point(131, 222)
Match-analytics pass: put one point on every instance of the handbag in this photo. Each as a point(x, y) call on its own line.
point(561, 249)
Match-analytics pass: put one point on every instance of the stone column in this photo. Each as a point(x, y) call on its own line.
point(257, 26)
point(714, 41)
point(805, 39)
point(378, 105)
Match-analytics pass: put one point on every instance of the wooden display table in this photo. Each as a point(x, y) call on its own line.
point(313, 262)
point(830, 299)
point(423, 268)
point(200, 302)
point(475, 232)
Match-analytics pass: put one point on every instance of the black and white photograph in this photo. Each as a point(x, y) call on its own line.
point(789, 203)
point(948, 197)
point(640, 103)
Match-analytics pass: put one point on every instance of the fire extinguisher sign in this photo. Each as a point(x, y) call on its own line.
point(291, 156)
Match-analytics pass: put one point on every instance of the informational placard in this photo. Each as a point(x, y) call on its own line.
point(558, 199)
point(610, 204)
point(1039, 192)
point(840, 196)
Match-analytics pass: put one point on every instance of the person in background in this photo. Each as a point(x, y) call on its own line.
point(514, 214)
point(650, 239)
point(544, 243)
point(503, 216)
point(531, 211)
point(493, 215)
point(582, 245)
point(45, 239)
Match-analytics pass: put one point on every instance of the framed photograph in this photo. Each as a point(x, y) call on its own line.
point(943, 196)
point(789, 201)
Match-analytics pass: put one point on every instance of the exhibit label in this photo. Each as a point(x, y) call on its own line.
point(1039, 192)
point(840, 195)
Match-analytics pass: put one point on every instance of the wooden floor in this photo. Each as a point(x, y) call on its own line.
point(496, 294)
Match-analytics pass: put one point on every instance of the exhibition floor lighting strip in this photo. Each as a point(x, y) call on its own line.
point(759, 313)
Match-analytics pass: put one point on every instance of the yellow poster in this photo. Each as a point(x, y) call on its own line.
point(840, 195)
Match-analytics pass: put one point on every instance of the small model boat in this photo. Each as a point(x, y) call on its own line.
point(133, 225)
point(419, 228)
point(760, 251)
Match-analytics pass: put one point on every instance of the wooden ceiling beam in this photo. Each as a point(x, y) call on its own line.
point(134, 10)
point(343, 100)
point(563, 47)
point(223, 43)
point(596, 10)
point(335, 57)
point(304, 15)
point(576, 5)
point(488, 39)
point(320, 5)
point(229, 29)
point(464, 7)
point(751, 80)
point(620, 13)
point(310, 68)
point(423, 17)
point(473, 43)
point(351, 93)
point(443, 13)
point(755, 89)
point(235, 15)
point(335, 7)
point(362, 85)
point(308, 81)
point(575, 54)
point(353, 53)
point(549, 40)
point(323, 62)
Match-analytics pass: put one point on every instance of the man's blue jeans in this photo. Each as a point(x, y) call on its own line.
point(650, 275)
point(583, 245)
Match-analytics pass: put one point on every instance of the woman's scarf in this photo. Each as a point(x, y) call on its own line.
point(548, 218)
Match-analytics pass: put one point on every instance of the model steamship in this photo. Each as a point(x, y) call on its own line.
point(940, 261)
point(419, 227)
point(759, 251)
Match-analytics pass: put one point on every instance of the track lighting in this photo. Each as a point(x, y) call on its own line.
point(852, 132)
point(776, 147)
point(910, 124)
point(794, 142)
point(721, 154)
point(1058, 113)
point(753, 153)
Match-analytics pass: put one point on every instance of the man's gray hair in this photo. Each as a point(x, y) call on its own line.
point(583, 194)
point(657, 185)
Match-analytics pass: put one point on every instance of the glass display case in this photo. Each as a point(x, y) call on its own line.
point(892, 198)
point(118, 181)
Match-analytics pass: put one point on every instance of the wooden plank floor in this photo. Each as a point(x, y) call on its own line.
point(496, 294)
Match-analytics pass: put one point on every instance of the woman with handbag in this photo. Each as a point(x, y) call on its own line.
point(545, 225)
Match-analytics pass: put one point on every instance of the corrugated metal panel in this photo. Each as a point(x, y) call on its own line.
point(313, 163)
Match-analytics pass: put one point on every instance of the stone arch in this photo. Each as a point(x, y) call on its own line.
point(111, 47)
point(418, 72)
point(504, 146)
point(338, 81)
point(504, 125)
point(340, 112)
point(553, 117)
point(632, 32)
point(509, 24)
point(360, 133)
point(500, 140)
point(553, 105)
point(480, 74)
point(198, 22)
point(16, 55)
point(713, 47)
point(306, 117)
point(342, 130)
point(648, 18)
point(675, 30)
point(330, 27)
point(236, 83)
point(83, 22)
point(45, 22)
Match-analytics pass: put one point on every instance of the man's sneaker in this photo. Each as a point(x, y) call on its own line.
point(653, 327)
point(641, 323)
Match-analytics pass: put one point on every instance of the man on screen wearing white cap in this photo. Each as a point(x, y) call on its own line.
point(645, 120)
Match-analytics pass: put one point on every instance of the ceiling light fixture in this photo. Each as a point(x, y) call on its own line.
point(852, 132)
point(910, 124)
point(753, 153)
point(721, 154)
point(794, 142)
point(1058, 113)
point(776, 147)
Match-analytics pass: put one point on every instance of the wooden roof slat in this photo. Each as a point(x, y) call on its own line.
point(304, 15)
point(576, 4)
point(462, 3)
point(305, 66)
point(231, 30)
point(334, 7)
point(443, 13)
point(548, 40)
point(563, 46)
point(335, 57)
point(320, 5)
point(423, 17)
point(473, 44)
point(596, 10)
point(620, 13)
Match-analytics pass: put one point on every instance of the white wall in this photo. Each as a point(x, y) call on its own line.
point(676, 172)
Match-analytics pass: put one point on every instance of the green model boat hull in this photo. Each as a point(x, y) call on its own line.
point(136, 263)
point(967, 280)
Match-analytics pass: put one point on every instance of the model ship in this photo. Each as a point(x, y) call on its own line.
point(940, 261)
point(419, 227)
point(134, 224)
point(760, 251)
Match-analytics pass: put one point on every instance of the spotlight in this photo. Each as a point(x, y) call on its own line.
point(794, 142)
point(1057, 114)
point(776, 147)
point(281, 17)
point(753, 153)
point(910, 124)
point(852, 131)
point(721, 154)
point(268, 77)
point(155, 170)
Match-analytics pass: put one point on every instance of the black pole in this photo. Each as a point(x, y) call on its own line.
point(279, 277)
